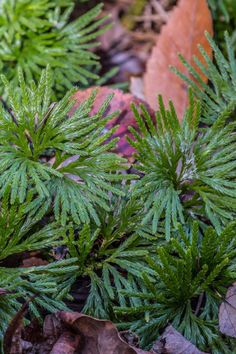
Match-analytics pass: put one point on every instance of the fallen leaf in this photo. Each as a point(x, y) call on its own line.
point(99, 336)
point(65, 331)
point(32, 332)
point(130, 338)
point(115, 32)
point(182, 33)
point(227, 313)
point(172, 342)
point(74, 332)
point(118, 47)
point(121, 101)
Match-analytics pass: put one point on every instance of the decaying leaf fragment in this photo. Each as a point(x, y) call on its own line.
point(172, 342)
point(227, 313)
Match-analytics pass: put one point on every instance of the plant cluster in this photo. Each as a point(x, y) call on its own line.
point(157, 246)
point(49, 159)
point(46, 286)
point(58, 169)
point(190, 274)
point(36, 33)
point(111, 255)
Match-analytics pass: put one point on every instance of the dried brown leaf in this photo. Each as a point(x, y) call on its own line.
point(68, 331)
point(172, 342)
point(227, 313)
point(99, 336)
point(74, 332)
point(183, 32)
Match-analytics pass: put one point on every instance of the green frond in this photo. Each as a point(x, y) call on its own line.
point(47, 286)
point(61, 161)
point(110, 256)
point(42, 284)
point(191, 276)
point(218, 97)
point(19, 233)
point(35, 34)
point(188, 171)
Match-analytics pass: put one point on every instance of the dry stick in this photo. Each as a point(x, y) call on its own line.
point(15, 323)
point(5, 106)
point(144, 36)
point(147, 13)
point(148, 18)
point(199, 304)
point(158, 8)
point(45, 118)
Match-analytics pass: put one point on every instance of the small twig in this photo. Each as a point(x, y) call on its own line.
point(147, 13)
point(5, 106)
point(157, 6)
point(199, 304)
point(148, 18)
point(144, 36)
point(30, 141)
point(45, 118)
point(14, 325)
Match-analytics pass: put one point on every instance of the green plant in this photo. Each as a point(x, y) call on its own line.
point(218, 97)
point(221, 7)
point(191, 276)
point(55, 160)
point(35, 34)
point(188, 172)
point(111, 256)
point(224, 19)
point(47, 285)
point(157, 248)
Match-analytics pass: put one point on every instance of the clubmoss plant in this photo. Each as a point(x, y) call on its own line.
point(36, 33)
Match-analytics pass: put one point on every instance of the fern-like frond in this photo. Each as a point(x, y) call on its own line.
point(46, 285)
point(54, 159)
point(187, 171)
point(111, 256)
point(35, 34)
point(218, 97)
point(192, 273)
point(19, 233)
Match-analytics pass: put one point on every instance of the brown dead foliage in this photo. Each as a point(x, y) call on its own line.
point(183, 32)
